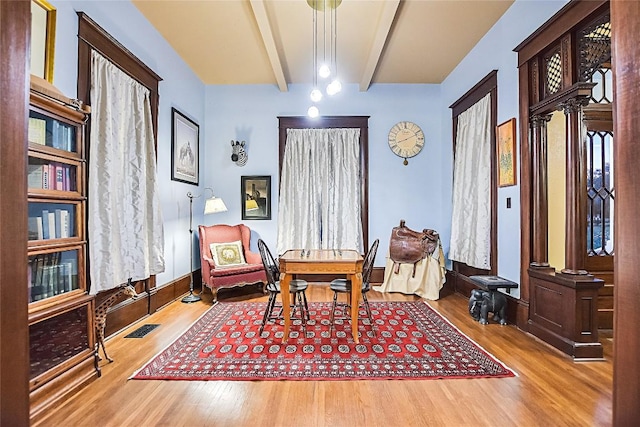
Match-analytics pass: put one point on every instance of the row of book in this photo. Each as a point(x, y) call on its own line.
point(54, 224)
point(52, 176)
point(57, 135)
point(49, 276)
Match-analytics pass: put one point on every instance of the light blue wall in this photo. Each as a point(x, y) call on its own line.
point(420, 193)
point(396, 191)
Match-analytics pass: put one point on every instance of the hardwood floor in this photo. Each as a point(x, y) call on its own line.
point(550, 389)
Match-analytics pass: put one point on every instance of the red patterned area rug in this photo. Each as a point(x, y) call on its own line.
point(412, 341)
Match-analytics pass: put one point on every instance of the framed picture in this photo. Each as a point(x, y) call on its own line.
point(43, 39)
point(256, 197)
point(185, 155)
point(506, 147)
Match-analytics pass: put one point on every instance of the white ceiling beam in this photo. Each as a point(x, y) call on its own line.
point(380, 38)
point(260, 13)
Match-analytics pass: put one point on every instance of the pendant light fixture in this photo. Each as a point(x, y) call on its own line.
point(328, 66)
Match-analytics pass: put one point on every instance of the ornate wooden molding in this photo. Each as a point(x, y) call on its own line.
point(578, 90)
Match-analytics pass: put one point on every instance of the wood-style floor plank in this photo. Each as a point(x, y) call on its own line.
point(549, 390)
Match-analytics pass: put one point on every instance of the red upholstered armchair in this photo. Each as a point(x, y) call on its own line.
point(226, 258)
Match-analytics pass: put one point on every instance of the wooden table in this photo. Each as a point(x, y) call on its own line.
point(321, 261)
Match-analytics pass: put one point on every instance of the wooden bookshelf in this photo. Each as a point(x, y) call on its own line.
point(62, 352)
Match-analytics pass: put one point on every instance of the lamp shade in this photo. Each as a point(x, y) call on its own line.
point(214, 205)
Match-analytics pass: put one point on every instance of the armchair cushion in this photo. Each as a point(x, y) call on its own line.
point(227, 254)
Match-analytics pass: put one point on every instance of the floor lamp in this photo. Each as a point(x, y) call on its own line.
point(212, 205)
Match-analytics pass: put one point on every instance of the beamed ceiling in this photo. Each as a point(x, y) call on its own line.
point(271, 41)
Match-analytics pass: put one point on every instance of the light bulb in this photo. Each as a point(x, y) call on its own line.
point(334, 87)
point(324, 71)
point(315, 95)
point(313, 111)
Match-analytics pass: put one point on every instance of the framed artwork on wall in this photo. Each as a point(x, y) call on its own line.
point(256, 197)
point(185, 154)
point(506, 150)
point(43, 39)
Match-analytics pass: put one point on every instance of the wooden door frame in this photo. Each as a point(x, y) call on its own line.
point(15, 25)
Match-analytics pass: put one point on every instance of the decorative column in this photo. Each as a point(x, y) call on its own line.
point(576, 211)
point(540, 227)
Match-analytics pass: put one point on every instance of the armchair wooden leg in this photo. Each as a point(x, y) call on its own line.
point(214, 292)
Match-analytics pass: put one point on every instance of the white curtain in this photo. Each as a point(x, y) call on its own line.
point(471, 217)
point(125, 222)
point(319, 206)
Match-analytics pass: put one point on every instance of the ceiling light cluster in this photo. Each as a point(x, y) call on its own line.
point(328, 65)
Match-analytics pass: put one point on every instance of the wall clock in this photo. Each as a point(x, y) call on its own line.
point(406, 140)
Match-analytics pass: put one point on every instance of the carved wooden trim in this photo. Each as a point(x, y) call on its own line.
point(566, 18)
point(535, 81)
point(556, 32)
point(557, 101)
point(568, 73)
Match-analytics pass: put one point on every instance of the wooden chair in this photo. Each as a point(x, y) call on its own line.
point(216, 276)
point(343, 286)
point(297, 288)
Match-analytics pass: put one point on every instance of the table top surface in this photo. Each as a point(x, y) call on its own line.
point(320, 255)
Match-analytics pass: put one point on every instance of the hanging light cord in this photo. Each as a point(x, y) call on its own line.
point(315, 47)
point(335, 38)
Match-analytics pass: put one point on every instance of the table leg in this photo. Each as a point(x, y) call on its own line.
point(356, 292)
point(284, 293)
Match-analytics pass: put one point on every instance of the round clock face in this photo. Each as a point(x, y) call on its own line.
point(406, 139)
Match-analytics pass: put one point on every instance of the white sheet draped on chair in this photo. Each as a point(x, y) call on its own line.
point(125, 222)
point(319, 206)
point(471, 216)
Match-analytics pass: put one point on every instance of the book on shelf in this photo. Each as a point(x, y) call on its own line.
point(59, 174)
point(37, 284)
point(68, 138)
point(46, 234)
point(64, 224)
point(45, 177)
point(34, 176)
point(58, 222)
point(51, 218)
point(65, 279)
point(49, 275)
point(35, 228)
point(30, 281)
point(37, 131)
point(55, 134)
